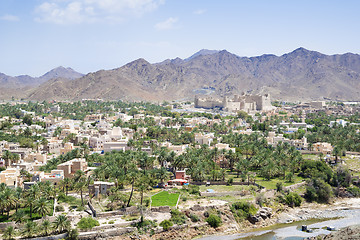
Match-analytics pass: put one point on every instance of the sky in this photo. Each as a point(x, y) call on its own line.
point(89, 35)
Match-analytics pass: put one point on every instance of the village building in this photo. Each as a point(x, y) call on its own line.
point(10, 177)
point(72, 166)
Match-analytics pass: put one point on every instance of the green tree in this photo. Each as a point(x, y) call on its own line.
point(27, 119)
point(318, 190)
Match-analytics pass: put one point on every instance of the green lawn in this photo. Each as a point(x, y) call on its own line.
point(164, 198)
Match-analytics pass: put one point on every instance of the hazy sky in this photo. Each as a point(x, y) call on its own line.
point(89, 35)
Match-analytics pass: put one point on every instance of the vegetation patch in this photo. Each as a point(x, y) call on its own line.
point(87, 223)
point(243, 210)
point(214, 220)
point(164, 198)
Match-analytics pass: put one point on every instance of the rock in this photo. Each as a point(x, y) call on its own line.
point(197, 208)
point(255, 218)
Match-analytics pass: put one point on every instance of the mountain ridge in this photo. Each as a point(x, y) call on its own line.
point(298, 75)
point(19, 81)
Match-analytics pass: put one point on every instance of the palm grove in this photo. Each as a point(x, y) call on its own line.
point(138, 172)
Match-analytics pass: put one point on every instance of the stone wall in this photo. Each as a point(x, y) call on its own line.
point(106, 234)
point(162, 209)
point(52, 237)
point(6, 224)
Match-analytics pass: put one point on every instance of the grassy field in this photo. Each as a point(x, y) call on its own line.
point(271, 184)
point(232, 199)
point(311, 156)
point(353, 164)
point(222, 188)
point(164, 198)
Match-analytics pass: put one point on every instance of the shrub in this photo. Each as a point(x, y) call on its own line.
point(243, 210)
point(354, 191)
point(59, 208)
point(342, 177)
point(166, 224)
point(214, 220)
point(87, 223)
point(230, 181)
point(147, 202)
point(279, 186)
point(145, 225)
point(194, 189)
point(290, 177)
point(318, 190)
point(316, 169)
point(80, 208)
point(260, 199)
point(111, 222)
point(293, 199)
point(73, 234)
point(194, 218)
point(178, 217)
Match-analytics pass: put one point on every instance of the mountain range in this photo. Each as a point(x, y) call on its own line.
point(300, 75)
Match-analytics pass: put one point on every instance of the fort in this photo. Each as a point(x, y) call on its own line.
point(244, 102)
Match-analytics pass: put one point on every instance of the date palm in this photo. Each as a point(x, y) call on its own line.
point(61, 223)
point(20, 216)
point(7, 157)
point(9, 197)
point(9, 233)
point(29, 230)
point(18, 197)
point(81, 186)
point(42, 206)
point(46, 227)
point(67, 183)
point(31, 195)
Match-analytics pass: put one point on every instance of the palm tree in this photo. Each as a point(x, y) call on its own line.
point(42, 206)
point(162, 174)
point(61, 223)
point(32, 194)
point(46, 227)
point(81, 186)
point(67, 183)
point(19, 216)
point(29, 230)
point(18, 197)
point(131, 176)
point(9, 233)
point(6, 156)
point(9, 197)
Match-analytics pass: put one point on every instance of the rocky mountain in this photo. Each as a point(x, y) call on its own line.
point(202, 52)
point(28, 81)
point(298, 75)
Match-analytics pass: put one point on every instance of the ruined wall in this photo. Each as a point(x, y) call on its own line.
point(244, 102)
point(208, 102)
